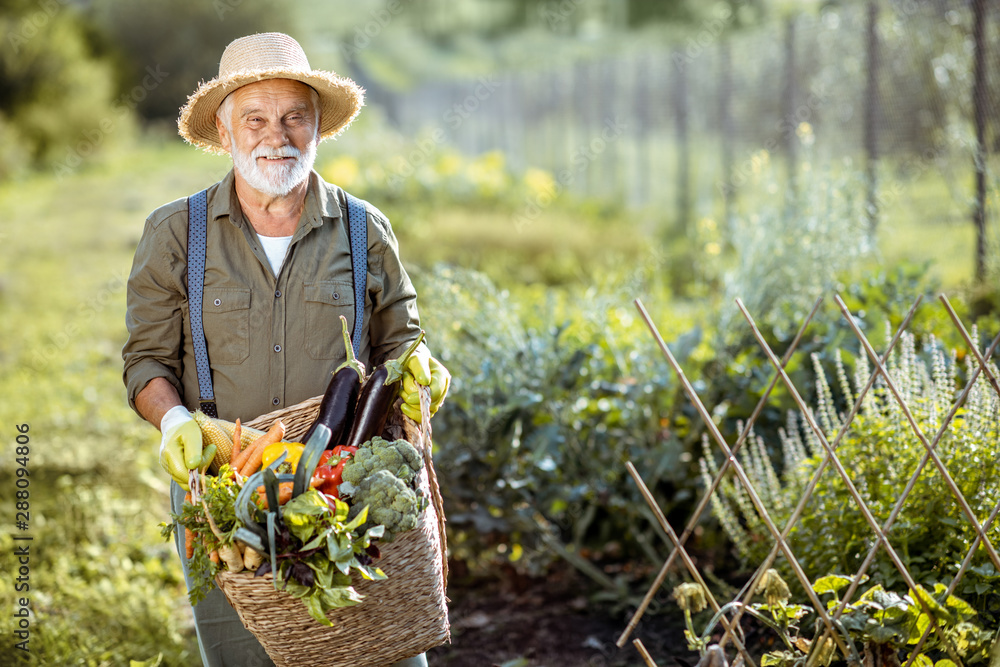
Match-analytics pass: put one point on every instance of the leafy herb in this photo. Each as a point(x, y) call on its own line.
point(317, 547)
point(219, 493)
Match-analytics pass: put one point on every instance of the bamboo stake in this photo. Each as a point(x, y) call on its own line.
point(644, 653)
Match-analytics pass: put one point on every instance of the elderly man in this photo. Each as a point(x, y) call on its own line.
point(275, 264)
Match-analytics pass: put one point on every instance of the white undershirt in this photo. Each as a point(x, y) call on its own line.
point(275, 247)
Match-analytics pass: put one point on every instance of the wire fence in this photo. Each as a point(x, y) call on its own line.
point(891, 82)
point(932, 470)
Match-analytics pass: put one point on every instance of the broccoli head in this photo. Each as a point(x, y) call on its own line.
point(390, 502)
point(398, 457)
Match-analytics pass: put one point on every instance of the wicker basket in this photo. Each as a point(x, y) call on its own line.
point(402, 616)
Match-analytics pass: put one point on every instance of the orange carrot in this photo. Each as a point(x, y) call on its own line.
point(237, 461)
point(255, 453)
point(284, 493)
point(214, 556)
point(237, 440)
point(273, 435)
point(253, 461)
point(188, 533)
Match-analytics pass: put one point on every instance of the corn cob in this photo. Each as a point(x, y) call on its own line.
point(220, 433)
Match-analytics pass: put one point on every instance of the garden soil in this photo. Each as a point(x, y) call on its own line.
point(552, 621)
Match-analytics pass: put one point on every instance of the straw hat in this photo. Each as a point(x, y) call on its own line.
point(269, 55)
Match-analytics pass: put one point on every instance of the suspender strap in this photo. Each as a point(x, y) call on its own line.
point(357, 218)
point(197, 236)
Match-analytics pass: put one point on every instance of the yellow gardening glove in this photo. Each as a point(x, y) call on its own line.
point(180, 444)
point(423, 369)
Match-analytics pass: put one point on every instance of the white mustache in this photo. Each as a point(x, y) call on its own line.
point(285, 151)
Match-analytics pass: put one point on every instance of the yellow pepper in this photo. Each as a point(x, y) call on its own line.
point(272, 452)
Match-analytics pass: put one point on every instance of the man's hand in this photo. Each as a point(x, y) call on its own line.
point(180, 445)
point(423, 369)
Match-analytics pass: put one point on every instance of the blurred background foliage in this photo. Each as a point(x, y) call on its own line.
point(544, 163)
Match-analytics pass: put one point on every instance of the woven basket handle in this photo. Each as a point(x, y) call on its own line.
point(428, 447)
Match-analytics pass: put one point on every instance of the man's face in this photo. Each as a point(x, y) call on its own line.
point(275, 131)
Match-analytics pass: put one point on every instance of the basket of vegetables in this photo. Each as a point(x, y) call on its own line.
point(323, 525)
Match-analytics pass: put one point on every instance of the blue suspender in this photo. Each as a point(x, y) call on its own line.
point(357, 218)
point(197, 233)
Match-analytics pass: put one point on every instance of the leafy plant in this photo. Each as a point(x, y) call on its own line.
point(881, 452)
point(549, 399)
point(885, 624)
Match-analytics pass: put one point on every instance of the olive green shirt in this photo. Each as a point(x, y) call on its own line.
point(273, 341)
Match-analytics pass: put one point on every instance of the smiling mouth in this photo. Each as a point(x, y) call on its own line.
point(276, 158)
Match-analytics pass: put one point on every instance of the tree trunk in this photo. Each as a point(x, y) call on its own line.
point(788, 112)
point(726, 118)
point(979, 106)
point(871, 138)
point(683, 150)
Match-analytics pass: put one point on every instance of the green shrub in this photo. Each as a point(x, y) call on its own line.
point(56, 103)
point(551, 396)
point(880, 452)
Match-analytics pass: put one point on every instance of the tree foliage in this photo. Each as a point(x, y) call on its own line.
point(54, 86)
point(182, 39)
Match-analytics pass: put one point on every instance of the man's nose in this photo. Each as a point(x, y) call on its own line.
point(277, 135)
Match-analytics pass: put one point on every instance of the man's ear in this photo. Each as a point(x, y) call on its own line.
point(224, 137)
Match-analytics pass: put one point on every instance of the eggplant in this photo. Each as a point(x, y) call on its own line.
point(378, 393)
point(336, 410)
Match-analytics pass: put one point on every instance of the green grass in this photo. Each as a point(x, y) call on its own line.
point(105, 588)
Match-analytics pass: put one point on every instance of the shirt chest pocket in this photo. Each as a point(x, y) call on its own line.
point(226, 317)
point(326, 301)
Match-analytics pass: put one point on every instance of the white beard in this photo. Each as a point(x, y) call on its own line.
point(279, 179)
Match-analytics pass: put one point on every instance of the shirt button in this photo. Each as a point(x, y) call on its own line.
point(218, 302)
point(336, 295)
point(277, 294)
point(277, 348)
point(275, 400)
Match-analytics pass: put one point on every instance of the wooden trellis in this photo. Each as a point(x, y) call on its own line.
point(780, 536)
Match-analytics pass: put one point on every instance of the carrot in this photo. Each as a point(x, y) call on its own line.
point(284, 493)
point(273, 435)
point(238, 461)
point(189, 543)
point(188, 533)
point(237, 439)
point(212, 553)
point(252, 462)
